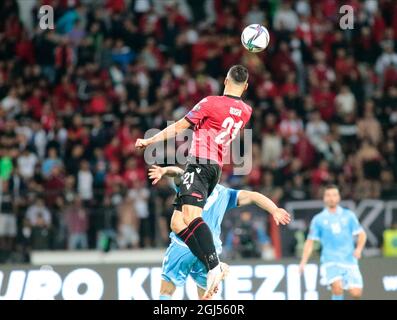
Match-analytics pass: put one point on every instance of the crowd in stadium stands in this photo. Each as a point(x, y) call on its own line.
point(74, 99)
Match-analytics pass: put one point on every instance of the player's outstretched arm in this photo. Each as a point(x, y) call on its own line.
point(168, 133)
point(307, 252)
point(156, 173)
point(361, 239)
point(249, 197)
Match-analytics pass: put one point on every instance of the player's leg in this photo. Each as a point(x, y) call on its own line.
point(192, 216)
point(354, 282)
point(177, 264)
point(197, 183)
point(356, 293)
point(179, 227)
point(200, 292)
point(334, 280)
point(199, 275)
point(177, 222)
point(337, 290)
point(167, 289)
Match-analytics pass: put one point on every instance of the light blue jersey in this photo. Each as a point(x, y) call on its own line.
point(220, 200)
point(336, 233)
point(179, 262)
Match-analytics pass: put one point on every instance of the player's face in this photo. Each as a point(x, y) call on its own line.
point(331, 198)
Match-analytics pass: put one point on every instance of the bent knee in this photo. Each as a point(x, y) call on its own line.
point(356, 293)
point(337, 289)
point(167, 292)
point(167, 288)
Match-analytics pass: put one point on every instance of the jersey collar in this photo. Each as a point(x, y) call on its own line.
point(233, 97)
point(339, 210)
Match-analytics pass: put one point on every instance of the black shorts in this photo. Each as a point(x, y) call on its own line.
point(197, 183)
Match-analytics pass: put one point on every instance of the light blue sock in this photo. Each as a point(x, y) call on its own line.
point(165, 297)
point(337, 297)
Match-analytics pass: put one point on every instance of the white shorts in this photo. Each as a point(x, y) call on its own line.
point(8, 225)
point(349, 274)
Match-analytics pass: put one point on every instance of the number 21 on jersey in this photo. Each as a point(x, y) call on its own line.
point(230, 128)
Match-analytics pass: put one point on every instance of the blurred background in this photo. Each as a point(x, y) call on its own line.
point(74, 99)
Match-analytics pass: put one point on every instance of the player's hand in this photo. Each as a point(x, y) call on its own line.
point(302, 267)
point(357, 253)
point(281, 216)
point(142, 143)
point(156, 173)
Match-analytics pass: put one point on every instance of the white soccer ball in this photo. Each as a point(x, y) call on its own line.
point(255, 38)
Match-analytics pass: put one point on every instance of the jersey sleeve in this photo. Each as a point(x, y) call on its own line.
point(355, 225)
point(247, 116)
point(314, 231)
point(198, 112)
point(233, 198)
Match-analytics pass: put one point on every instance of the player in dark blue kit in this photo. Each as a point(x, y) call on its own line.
point(179, 261)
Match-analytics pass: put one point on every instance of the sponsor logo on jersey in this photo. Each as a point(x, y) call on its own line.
point(235, 112)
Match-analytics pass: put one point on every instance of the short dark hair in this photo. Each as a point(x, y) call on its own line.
point(331, 186)
point(238, 74)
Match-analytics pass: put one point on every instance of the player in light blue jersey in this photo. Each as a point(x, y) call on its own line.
point(179, 262)
point(342, 241)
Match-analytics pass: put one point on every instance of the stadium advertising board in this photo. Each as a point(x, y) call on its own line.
point(246, 281)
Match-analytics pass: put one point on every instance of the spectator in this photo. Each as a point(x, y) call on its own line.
point(26, 163)
point(140, 197)
point(85, 183)
point(387, 59)
point(369, 127)
point(297, 190)
point(247, 239)
point(77, 225)
point(128, 228)
point(368, 161)
point(36, 209)
point(290, 126)
point(271, 142)
point(285, 18)
point(50, 162)
point(345, 101)
point(316, 131)
point(40, 234)
point(8, 221)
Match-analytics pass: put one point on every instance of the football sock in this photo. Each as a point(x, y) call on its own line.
point(204, 238)
point(189, 238)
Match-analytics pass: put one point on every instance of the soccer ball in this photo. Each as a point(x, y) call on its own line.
point(255, 38)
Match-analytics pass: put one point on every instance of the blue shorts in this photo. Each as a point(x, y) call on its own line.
point(179, 262)
point(349, 274)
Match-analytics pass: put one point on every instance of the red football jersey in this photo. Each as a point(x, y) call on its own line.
point(217, 120)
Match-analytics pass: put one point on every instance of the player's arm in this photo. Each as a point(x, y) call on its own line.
point(307, 252)
point(361, 240)
point(156, 173)
point(251, 197)
point(314, 235)
point(357, 230)
point(168, 133)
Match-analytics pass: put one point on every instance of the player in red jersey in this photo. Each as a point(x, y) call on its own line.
point(216, 121)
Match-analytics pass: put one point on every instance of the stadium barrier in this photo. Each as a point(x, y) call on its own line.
point(248, 279)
